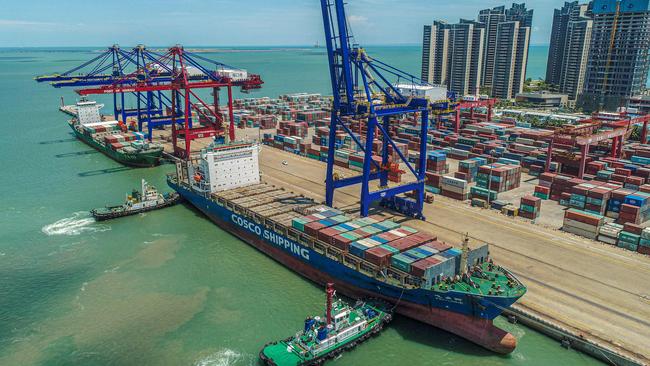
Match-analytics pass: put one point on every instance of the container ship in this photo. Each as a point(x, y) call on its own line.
point(113, 138)
point(460, 291)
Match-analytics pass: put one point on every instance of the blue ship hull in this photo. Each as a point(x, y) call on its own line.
point(441, 309)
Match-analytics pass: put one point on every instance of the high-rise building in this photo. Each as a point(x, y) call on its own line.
point(570, 12)
point(510, 62)
point(491, 53)
point(618, 61)
point(491, 18)
point(574, 58)
point(506, 52)
point(452, 55)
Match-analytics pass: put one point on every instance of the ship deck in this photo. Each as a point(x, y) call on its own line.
point(268, 202)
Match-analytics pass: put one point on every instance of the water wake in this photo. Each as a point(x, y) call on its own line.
point(224, 357)
point(80, 222)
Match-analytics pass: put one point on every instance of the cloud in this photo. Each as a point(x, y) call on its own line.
point(24, 23)
point(357, 19)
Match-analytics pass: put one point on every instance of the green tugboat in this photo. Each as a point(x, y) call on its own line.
point(147, 200)
point(113, 138)
point(342, 329)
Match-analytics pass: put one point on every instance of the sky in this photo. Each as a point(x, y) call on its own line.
point(43, 23)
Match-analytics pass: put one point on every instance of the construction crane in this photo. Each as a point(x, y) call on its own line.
point(176, 63)
point(362, 90)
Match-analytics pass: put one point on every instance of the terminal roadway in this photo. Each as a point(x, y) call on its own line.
point(594, 288)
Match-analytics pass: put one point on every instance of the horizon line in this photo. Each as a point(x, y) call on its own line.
point(232, 46)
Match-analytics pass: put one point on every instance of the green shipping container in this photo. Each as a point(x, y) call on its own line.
point(389, 248)
point(541, 195)
point(644, 242)
point(629, 238)
point(409, 229)
point(402, 262)
point(527, 208)
point(298, 223)
point(628, 246)
point(483, 192)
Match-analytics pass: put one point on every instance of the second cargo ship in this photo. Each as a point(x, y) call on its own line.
point(460, 291)
point(112, 138)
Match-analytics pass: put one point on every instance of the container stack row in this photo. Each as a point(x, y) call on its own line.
point(384, 243)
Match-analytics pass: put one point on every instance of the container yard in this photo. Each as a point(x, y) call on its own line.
point(447, 208)
point(522, 198)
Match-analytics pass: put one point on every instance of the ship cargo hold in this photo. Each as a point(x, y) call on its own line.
point(458, 291)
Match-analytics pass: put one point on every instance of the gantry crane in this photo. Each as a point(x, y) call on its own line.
point(147, 74)
point(114, 64)
point(362, 90)
point(175, 63)
point(594, 130)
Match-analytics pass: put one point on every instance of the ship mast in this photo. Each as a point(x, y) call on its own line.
point(463, 255)
point(330, 293)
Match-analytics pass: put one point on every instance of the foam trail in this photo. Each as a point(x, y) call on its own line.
point(80, 222)
point(224, 357)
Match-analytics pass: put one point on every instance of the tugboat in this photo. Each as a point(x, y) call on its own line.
point(147, 200)
point(343, 328)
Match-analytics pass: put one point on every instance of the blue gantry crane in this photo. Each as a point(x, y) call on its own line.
point(367, 89)
point(112, 64)
point(147, 75)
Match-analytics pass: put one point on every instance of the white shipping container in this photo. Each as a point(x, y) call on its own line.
point(581, 225)
point(431, 92)
point(454, 182)
point(580, 232)
point(234, 74)
point(607, 239)
point(454, 189)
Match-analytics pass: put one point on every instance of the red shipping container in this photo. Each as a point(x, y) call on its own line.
point(419, 268)
point(531, 201)
point(633, 228)
point(327, 235)
point(341, 242)
point(378, 256)
point(312, 228)
point(637, 181)
point(623, 171)
point(542, 189)
point(625, 208)
point(438, 245)
point(581, 217)
point(528, 215)
point(388, 236)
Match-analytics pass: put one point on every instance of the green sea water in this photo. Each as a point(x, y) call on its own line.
point(167, 287)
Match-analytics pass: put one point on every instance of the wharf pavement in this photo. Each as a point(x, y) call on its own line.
point(597, 291)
